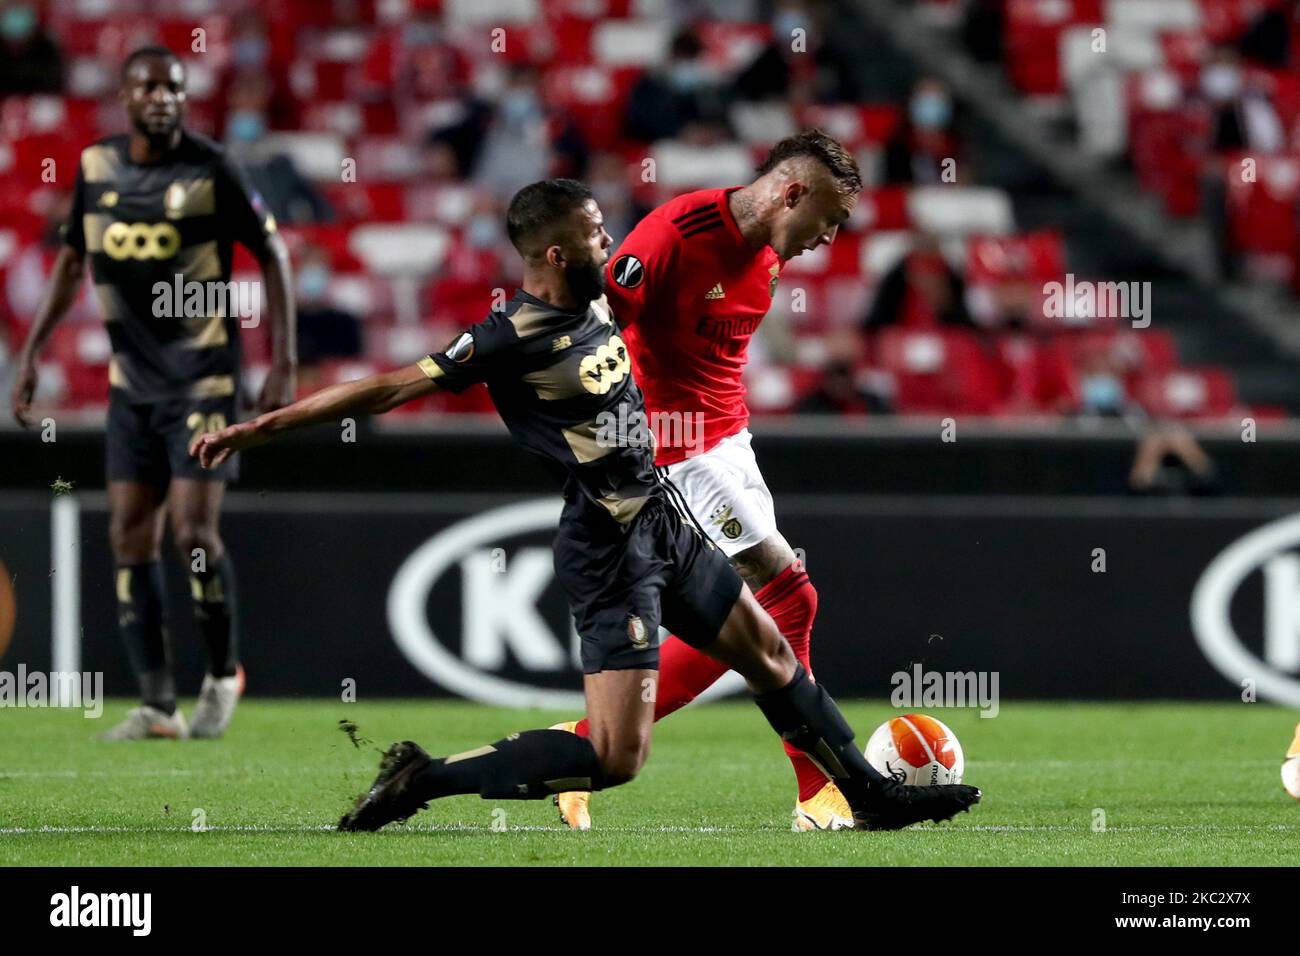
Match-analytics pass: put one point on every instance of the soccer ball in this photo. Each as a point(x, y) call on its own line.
point(916, 749)
point(1291, 776)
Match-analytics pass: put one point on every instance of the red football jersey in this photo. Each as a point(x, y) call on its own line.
point(689, 293)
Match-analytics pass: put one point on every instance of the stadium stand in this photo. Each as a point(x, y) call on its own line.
point(386, 137)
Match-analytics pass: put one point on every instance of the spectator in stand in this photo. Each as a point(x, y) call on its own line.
point(419, 62)
point(1243, 114)
point(612, 188)
point(983, 28)
point(918, 152)
point(1243, 118)
point(1168, 459)
point(922, 290)
point(806, 61)
point(840, 393)
point(30, 61)
point(682, 93)
point(1273, 37)
point(526, 142)
point(324, 330)
point(453, 148)
point(290, 197)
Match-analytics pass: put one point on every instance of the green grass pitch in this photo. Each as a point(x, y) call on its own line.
point(1178, 784)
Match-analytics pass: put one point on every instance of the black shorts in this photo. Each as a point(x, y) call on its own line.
point(149, 441)
point(623, 583)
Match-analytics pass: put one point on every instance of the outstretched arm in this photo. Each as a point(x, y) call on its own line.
point(366, 396)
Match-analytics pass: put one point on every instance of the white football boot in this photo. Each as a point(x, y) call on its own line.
point(148, 723)
point(216, 705)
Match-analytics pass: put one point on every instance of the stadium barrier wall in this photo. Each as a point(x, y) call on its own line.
point(421, 594)
point(798, 456)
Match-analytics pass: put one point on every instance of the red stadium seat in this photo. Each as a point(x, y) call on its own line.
point(1188, 393)
point(1262, 213)
point(939, 371)
point(1033, 31)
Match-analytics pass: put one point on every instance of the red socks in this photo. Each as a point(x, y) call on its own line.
point(791, 599)
point(685, 673)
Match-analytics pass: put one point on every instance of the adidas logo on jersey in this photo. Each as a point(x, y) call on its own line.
point(716, 292)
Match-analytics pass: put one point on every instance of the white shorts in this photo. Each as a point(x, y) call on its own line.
point(726, 492)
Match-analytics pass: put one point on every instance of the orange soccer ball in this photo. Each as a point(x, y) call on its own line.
point(916, 749)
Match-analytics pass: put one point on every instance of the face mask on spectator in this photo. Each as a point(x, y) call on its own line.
point(246, 126)
point(419, 34)
point(686, 76)
point(519, 107)
point(250, 51)
point(313, 281)
point(931, 110)
point(18, 23)
point(482, 232)
point(1221, 82)
point(1102, 393)
point(784, 25)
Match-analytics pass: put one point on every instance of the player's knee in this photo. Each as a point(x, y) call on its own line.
point(622, 759)
point(131, 541)
point(191, 537)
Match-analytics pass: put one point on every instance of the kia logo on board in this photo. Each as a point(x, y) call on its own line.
point(498, 609)
point(509, 653)
point(1271, 551)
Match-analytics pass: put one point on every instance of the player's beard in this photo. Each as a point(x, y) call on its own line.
point(160, 132)
point(586, 281)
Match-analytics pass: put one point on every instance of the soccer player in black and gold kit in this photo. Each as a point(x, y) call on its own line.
point(627, 553)
point(157, 211)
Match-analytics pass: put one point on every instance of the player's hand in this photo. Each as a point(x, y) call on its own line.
point(24, 389)
point(212, 448)
point(279, 388)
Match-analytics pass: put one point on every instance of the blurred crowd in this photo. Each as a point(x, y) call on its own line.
point(386, 138)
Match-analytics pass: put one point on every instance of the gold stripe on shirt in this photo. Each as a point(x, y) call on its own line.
point(100, 164)
point(206, 333)
point(116, 377)
point(199, 263)
point(214, 386)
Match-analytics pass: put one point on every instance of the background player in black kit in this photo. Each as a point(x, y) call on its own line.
point(149, 206)
point(628, 560)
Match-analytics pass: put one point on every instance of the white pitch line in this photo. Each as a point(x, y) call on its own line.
point(476, 828)
point(444, 828)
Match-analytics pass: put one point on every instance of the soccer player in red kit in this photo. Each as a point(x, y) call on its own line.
point(689, 286)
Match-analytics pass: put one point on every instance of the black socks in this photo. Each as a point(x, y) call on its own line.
point(805, 716)
point(140, 620)
point(524, 766)
point(213, 593)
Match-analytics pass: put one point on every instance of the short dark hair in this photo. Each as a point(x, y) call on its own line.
point(537, 210)
point(144, 53)
point(822, 147)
